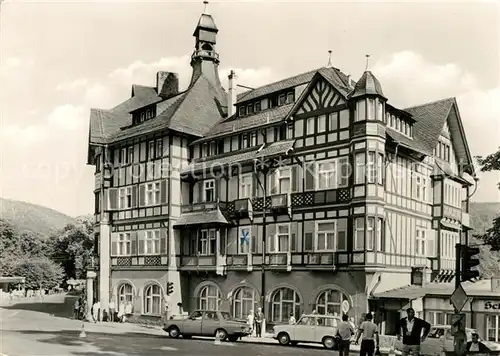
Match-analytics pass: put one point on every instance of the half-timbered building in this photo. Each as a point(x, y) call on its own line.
point(310, 193)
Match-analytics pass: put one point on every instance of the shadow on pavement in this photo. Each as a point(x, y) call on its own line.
point(61, 306)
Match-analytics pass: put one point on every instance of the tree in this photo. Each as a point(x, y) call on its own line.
point(32, 245)
point(492, 235)
point(489, 260)
point(39, 272)
point(73, 246)
point(9, 243)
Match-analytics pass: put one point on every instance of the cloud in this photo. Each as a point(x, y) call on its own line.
point(67, 117)
point(22, 136)
point(75, 84)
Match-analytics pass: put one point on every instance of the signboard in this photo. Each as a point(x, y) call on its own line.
point(459, 298)
point(492, 306)
point(345, 306)
point(457, 324)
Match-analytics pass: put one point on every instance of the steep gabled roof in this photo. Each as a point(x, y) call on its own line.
point(104, 123)
point(368, 84)
point(141, 96)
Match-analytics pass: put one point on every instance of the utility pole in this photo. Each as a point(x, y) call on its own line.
point(264, 242)
point(458, 299)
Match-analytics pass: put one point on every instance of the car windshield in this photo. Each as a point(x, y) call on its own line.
point(226, 316)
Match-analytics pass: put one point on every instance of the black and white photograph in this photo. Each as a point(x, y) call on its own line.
point(253, 178)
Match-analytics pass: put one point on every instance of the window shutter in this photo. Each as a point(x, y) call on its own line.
point(308, 243)
point(133, 243)
point(309, 171)
point(295, 179)
point(271, 236)
point(140, 242)
point(293, 236)
point(163, 241)
point(142, 195)
point(113, 198)
point(114, 245)
point(198, 239)
point(134, 196)
point(163, 191)
point(253, 243)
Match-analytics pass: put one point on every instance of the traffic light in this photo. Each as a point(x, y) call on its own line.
point(170, 288)
point(469, 261)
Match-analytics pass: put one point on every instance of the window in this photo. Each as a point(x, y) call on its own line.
point(207, 242)
point(282, 99)
point(284, 180)
point(290, 97)
point(212, 149)
point(310, 126)
point(245, 300)
point(125, 195)
point(420, 242)
point(244, 140)
point(246, 186)
point(152, 242)
point(333, 121)
point(343, 175)
point(359, 234)
point(253, 139)
point(151, 150)
point(282, 238)
point(341, 234)
point(152, 193)
point(380, 231)
point(380, 169)
point(371, 167)
point(322, 123)
point(210, 297)
point(424, 189)
point(143, 116)
point(97, 203)
point(325, 235)
point(209, 190)
point(124, 242)
point(245, 242)
point(420, 188)
point(159, 148)
point(125, 293)
point(250, 109)
point(380, 111)
point(326, 178)
point(285, 301)
point(371, 109)
point(493, 328)
point(152, 300)
point(360, 168)
point(257, 106)
point(242, 110)
point(330, 302)
point(123, 156)
point(98, 163)
point(361, 110)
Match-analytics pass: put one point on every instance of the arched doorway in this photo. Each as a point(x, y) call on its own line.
point(245, 299)
point(284, 302)
point(210, 297)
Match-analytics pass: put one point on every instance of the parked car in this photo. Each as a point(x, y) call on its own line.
point(207, 323)
point(311, 328)
point(440, 339)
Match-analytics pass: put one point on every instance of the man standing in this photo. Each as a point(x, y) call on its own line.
point(112, 310)
point(259, 320)
point(370, 340)
point(345, 332)
point(411, 328)
point(475, 345)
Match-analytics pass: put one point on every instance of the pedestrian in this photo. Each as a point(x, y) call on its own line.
point(112, 310)
point(475, 345)
point(344, 335)
point(259, 321)
point(414, 331)
point(76, 309)
point(250, 322)
point(95, 310)
point(370, 339)
point(291, 319)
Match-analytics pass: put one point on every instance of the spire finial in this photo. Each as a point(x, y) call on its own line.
point(329, 58)
point(205, 2)
point(367, 61)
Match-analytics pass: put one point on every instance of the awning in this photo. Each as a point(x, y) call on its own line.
point(407, 292)
point(266, 151)
point(200, 218)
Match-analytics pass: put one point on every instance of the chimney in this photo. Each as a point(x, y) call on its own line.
point(167, 84)
point(349, 79)
point(231, 99)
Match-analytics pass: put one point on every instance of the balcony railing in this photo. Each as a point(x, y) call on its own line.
point(452, 212)
point(323, 197)
point(241, 208)
point(139, 260)
point(204, 206)
point(205, 53)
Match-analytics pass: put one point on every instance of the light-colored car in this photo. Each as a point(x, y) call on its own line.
point(207, 323)
point(311, 329)
point(440, 339)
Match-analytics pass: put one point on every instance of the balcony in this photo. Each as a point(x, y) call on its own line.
point(139, 261)
point(280, 204)
point(203, 206)
point(323, 197)
point(241, 209)
point(215, 263)
point(320, 259)
point(451, 212)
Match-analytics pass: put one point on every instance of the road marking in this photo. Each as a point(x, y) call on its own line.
point(168, 348)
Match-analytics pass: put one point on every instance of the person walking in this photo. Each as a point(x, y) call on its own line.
point(414, 332)
point(95, 311)
point(259, 321)
point(112, 310)
point(76, 308)
point(370, 339)
point(344, 334)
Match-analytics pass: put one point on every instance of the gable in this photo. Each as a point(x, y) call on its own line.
point(321, 95)
point(459, 140)
point(446, 129)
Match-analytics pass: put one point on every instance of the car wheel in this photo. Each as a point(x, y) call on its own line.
point(233, 338)
point(284, 338)
point(293, 343)
point(222, 334)
point(329, 342)
point(174, 332)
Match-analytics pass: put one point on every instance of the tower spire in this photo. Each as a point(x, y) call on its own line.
point(367, 61)
point(205, 3)
point(329, 58)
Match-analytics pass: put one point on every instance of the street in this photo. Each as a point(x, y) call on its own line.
point(38, 328)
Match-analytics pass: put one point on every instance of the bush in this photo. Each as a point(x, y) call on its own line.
point(39, 273)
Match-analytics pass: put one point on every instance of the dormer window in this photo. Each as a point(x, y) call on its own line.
point(143, 116)
point(250, 109)
point(290, 97)
point(243, 110)
point(257, 106)
point(282, 100)
point(212, 148)
point(253, 140)
point(244, 140)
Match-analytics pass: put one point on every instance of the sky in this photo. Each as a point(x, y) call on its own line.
point(59, 59)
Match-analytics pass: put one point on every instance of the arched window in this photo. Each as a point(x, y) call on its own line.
point(330, 301)
point(210, 297)
point(284, 302)
point(125, 293)
point(244, 300)
point(152, 300)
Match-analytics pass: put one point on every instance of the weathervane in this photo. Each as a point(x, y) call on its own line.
point(367, 61)
point(205, 9)
point(329, 58)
